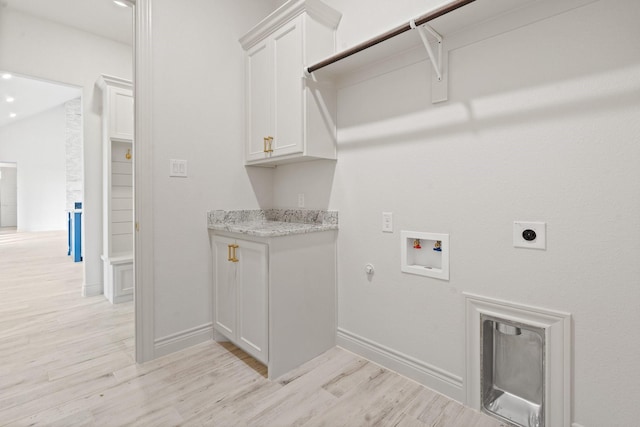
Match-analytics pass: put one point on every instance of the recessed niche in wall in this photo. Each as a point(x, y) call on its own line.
point(518, 362)
point(425, 254)
point(512, 380)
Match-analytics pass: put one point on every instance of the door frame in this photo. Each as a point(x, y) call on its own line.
point(143, 183)
point(11, 165)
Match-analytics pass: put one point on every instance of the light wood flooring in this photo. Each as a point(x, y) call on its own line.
point(68, 361)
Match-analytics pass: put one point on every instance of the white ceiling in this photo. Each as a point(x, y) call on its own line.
point(101, 17)
point(31, 97)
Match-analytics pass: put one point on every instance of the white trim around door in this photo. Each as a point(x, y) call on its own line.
point(143, 178)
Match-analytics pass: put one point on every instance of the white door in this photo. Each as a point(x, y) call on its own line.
point(224, 287)
point(121, 114)
point(8, 197)
point(288, 89)
point(257, 98)
point(253, 325)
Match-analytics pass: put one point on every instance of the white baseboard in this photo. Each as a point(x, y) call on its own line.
point(181, 340)
point(576, 425)
point(91, 290)
point(430, 376)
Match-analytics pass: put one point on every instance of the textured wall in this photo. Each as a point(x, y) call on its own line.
point(73, 151)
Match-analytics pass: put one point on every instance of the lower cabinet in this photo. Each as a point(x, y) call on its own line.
point(118, 278)
point(275, 297)
point(240, 294)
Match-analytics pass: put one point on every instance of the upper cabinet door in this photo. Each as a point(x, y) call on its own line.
point(288, 91)
point(259, 77)
point(121, 114)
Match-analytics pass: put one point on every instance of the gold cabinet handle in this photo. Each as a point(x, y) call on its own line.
point(268, 141)
point(232, 256)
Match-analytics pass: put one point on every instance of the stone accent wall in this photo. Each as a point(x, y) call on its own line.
point(73, 110)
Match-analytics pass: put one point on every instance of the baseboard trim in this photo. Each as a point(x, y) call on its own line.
point(428, 375)
point(183, 339)
point(91, 290)
point(576, 425)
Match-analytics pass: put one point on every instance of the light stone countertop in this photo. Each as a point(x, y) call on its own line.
point(272, 222)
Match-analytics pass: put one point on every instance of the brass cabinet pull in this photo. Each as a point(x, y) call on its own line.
point(229, 258)
point(268, 140)
point(232, 257)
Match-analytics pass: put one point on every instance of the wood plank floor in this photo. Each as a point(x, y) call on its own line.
point(68, 361)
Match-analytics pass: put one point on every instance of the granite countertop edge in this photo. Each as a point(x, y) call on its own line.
point(272, 222)
point(266, 229)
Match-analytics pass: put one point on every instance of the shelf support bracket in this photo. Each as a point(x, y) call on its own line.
point(438, 61)
point(422, 30)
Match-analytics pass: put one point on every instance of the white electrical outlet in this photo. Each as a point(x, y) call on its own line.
point(178, 168)
point(387, 222)
point(301, 200)
point(532, 235)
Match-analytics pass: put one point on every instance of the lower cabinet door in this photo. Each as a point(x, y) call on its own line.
point(240, 294)
point(252, 288)
point(123, 277)
point(224, 288)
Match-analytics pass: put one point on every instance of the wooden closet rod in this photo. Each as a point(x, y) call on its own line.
point(449, 7)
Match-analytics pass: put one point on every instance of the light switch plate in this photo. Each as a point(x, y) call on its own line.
point(532, 235)
point(387, 222)
point(178, 168)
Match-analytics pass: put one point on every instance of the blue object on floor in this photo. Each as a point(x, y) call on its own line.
point(68, 233)
point(77, 232)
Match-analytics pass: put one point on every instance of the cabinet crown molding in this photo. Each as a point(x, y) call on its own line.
point(292, 8)
point(106, 80)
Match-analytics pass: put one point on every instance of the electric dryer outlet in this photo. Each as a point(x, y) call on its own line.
point(532, 235)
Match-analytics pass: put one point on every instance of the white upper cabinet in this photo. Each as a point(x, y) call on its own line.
point(118, 107)
point(258, 109)
point(122, 114)
point(289, 117)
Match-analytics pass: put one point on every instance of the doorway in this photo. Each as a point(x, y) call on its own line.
point(74, 43)
point(8, 195)
point(40, 129)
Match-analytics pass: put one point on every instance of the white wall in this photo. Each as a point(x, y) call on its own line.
point(47, 50)
point(197, 116)
point(541, 125)
point(37, 145)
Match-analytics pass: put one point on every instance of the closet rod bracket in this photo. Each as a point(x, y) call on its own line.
point(423, 30)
